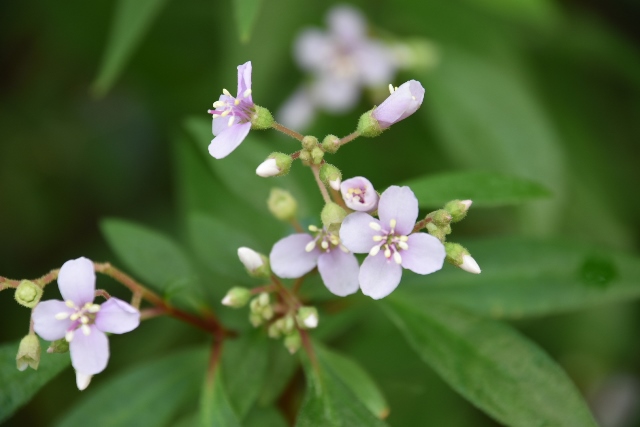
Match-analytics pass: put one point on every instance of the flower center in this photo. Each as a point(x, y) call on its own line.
point(389, 242)
point(81, 318)
point(237, 109)
point(356, 193)
point(324, 240)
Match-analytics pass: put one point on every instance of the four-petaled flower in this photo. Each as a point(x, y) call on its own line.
point(82, 322)
point(403, 102)
point(390, 243)
point(232, 116)
point(297, 254)
point(358, 194)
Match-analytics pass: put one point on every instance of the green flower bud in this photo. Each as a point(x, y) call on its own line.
point(293, 342)
point(288, 324)
point(28, 353)
point(282, 204)
point(457, 209)
point(332, 214)
point(331, 176)
point(331, 143)
point(28, 294)
point(368, 126)
point(275, 329)
point(441, 218)
point(305, 157)
point(261, 119)
point(317, 155)
point(460, 257)
point(309, 142)
point(438, 232)
point(59, 346)
point(237, 297)
point(307, 317)
point(277, 164)
point(255, 319)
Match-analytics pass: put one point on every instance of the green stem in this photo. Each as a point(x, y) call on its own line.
point(349, 138)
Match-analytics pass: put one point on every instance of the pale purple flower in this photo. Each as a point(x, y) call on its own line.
point(358, 194)
point(296, 255)
point(390, 243)
point(232, 116)
point(403, 102)
point(81, 322)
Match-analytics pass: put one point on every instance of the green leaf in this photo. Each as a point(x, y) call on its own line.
point(246, 12)
point(522, 277)
point(150, 394)
point(329, 402)
point(132, 19)
point(484, 188)
point(215, 408)
point(19, 387)
point(281, 367)
point(492, 365)
point(356, 379)
point(265, 417)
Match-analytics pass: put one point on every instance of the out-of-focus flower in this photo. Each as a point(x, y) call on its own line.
point(390, 243)
point(81, 322)
point(358, 194)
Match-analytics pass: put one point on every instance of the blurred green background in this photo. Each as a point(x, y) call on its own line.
point(540, 89)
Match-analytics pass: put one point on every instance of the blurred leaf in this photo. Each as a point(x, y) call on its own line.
point(522, 277)
point(244, 367)
point(282, 365)
point(150, 394)
point(246, 12)
point(356, 379)
point(19, 387)
point(540, 12)
point(484, 188)
point(265, 417)
point(329, 402)
point(215, 408)
point(132, 19)
point(491, 364)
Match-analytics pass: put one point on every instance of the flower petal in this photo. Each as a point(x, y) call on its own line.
point(117, 317)
point(336, 94)
point(425, 255)
point(376, 64)
point(289, 258)
point(89, 353)
point(379, 276)
point(347, 24)
point(312, 49)
point(244, 80)
point(358, 194)
point(219, 124)
point(339, 271)
point(229, 139)
point(44, 319)
point(356, 233)
point(77, 281)
point(400, 104)
point(398, 203)
point(298, 111)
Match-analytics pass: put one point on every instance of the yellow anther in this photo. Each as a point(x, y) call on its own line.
point(334, 240)
point(375, 226)
point(84, 320)
point(377, 238)
point(246, 93)
point(224, 113)
point(393, 223)
point(404, 238)
point(391, 90)
point(68, 336)
point(403, 245)
point(413, 97)
point(61, 316)
point(313, 228)
point(387, 252)
point(374, 250)
point(226, 92)
point(74, 317)
point(218, 104)
point(324, 244)
point(344, 249)
point(215, 116)
point(94, 308)
point(69, 303)
point(230, 122)
point(310, 246)
point(86, 330)
point(397, 258)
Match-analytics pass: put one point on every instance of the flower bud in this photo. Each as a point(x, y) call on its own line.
point(317, 155)
point(257, 264)
point(307, 317)
point(82, 380)
point(305, 157)
point(331, 176)
point(358, 194)
point(441, 218)
point(261, 118)
point(458, 209)
point(58, 346)
point(277, 164)
point(255, 319)
point(331, 143)
point(293, 342)
point(368, 125)
point(237, 297)
point(460, 257)
point(309, 142)
point(282, 204)
point(28, 353)
point(332, 214)
point(28, 294)
point(403, 102)
point(275, 329)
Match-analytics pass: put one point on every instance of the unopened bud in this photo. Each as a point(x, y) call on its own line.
point(368, 126)
point(257, 264)
point(307, 317)
point(282, 204)
point(441, 217)
point(309, 142)
point(331, 143)
point(28, 294)
point(58, 346)
point(236, 297)
point(255, 319)
point(293, 342)
point(82, 380)
point(460, 257)
point(458, 209)
point(305, 157)
point(317, 155)
point(261, 118)
point(275, 329)
point(331, 176)
point(277, 164)
point(332, 214)
point(28, 353)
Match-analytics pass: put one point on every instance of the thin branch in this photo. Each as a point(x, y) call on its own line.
point(287, 131)
point(349, 138)
point(316, 173)
point(421, 224)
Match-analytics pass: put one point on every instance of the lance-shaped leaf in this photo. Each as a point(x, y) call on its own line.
point(215, 407)
point(246, 12)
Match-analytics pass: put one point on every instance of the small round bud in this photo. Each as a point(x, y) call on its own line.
point(82, 380)
point(255, 319)
point(261, 118)
point(282, 204)
point(441, 218)
point(460, 257)
point(58, 346)
point(368, 126)
point(277, 164)
point(256, 264)
point(331, 176)
point(293, 342)
point(28, 294)
point(458, 209)
point(307, 317)
point(237, 297)
point(309, 142)
point(332, 214)
point(305, 157)
point(317, 155)
point(331, 143)
point(28, 353)
point(275, 329)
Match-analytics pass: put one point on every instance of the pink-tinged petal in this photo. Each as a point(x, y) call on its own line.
point(77, 281)
point(45, 322)
point(89, 353)
point(298, 111)
point(289, 258)
point(244, 80)
point(339, 272)
point(425, 255)
point(336, 94)
point(359, 195)
point(347, 24)
point(398, 203)
point(356, 232)
point(379, 276)
point(219, 124)
point(400, 104)
point(117, 317)
point(228, 140)
point(312, 49)
point(375, 64)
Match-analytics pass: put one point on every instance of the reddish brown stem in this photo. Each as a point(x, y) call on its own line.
point(287, 131)
point(421, 224)
point(349, 138)
point(308, 347)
